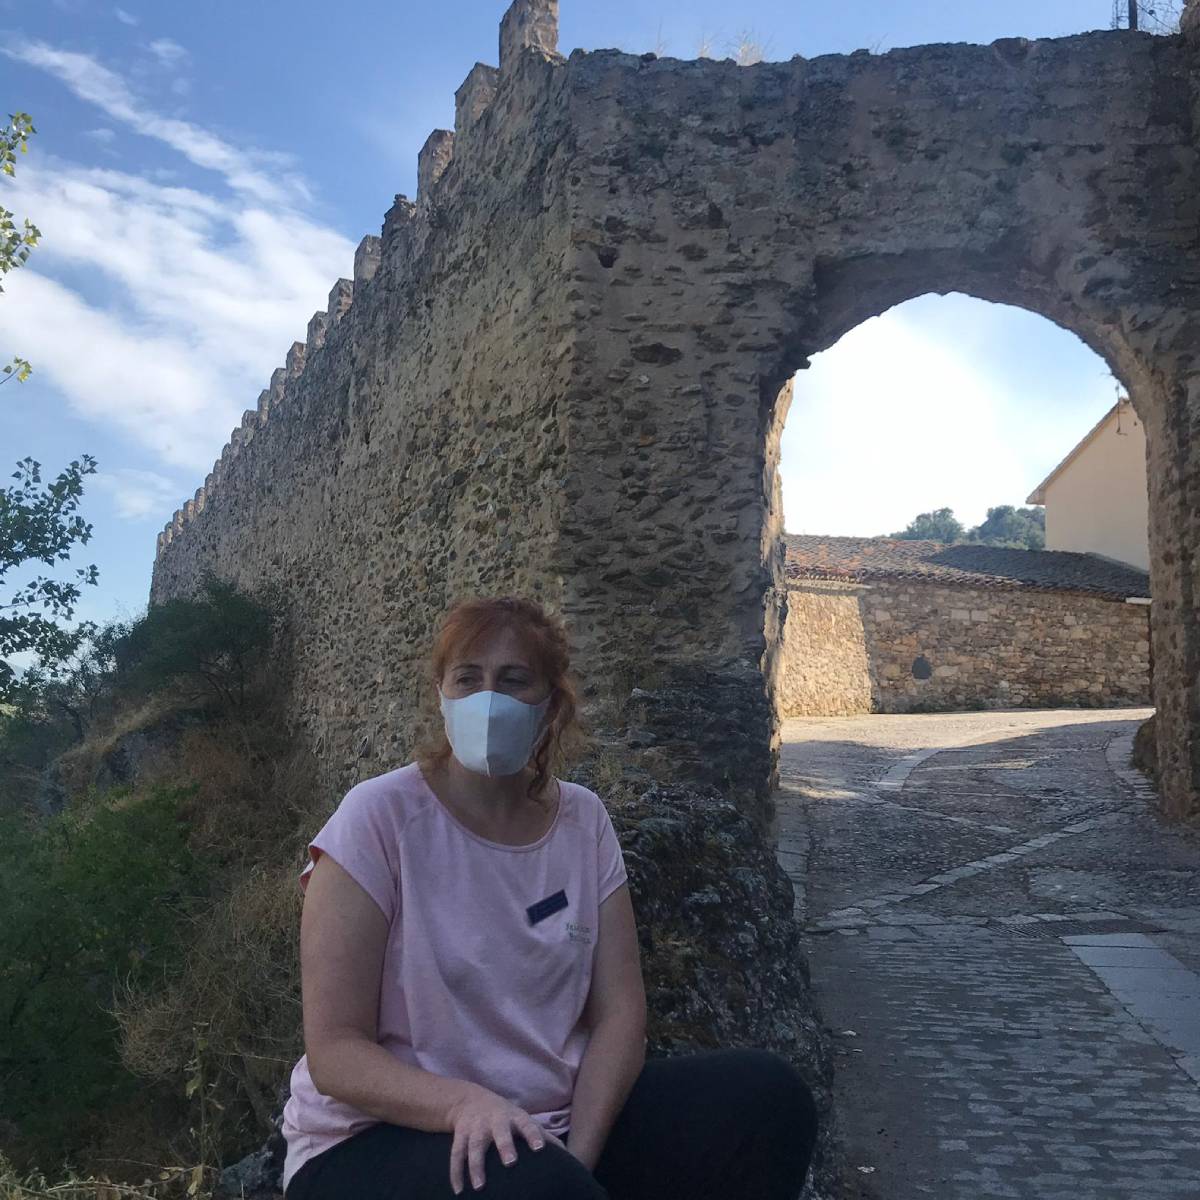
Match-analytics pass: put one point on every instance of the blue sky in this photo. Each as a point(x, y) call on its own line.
point(202, 173)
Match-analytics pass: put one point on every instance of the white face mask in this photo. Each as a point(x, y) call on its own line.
point(492, 733)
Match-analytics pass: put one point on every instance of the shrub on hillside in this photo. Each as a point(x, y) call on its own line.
point(148, 933)
point(229, 1017)
point(211, 650)
point(49, 711)
point(92, 900)
point(212, 645)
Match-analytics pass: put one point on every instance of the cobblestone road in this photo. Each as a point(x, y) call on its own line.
point(1005, 942)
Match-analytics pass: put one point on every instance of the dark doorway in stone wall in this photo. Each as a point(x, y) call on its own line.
point(949, 402)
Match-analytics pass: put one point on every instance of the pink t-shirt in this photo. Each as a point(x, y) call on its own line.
point(472, 988)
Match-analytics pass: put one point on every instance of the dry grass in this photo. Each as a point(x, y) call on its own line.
point(216, 1037)
point(162, 1185)
point(746, 48)
point(232, 1016)
point(79, 766)
point(227, 1026)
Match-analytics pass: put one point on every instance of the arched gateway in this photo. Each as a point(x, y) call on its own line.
point(564, 369)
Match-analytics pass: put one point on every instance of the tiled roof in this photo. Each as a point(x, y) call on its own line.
point(864, 559)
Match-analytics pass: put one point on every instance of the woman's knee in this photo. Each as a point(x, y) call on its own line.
point(773, 1088)
point(546, 1174)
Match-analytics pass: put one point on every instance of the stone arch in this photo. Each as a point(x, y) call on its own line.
point(777, 207)
point(568, 354)
point(846, 296)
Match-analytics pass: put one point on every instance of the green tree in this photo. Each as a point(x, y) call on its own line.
point(1024, 528)
point(15, 242)
point(38, 522)
point(213, 644)
point(938, 526)
point(93, 901)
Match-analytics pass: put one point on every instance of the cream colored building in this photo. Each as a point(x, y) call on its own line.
point(1096, 497)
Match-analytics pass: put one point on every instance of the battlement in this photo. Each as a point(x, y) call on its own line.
point(528, 25)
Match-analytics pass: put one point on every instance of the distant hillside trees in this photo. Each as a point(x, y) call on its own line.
point(1005, 525)
point(941, 525)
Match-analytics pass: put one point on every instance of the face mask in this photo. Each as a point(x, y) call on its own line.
point(491, 733)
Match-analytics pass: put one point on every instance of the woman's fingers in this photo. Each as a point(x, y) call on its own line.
point(477, 1145)
point(530, 1130)
point(458, 1153)
point(472, 1136)
point(556, 1141)
point(502, 1136)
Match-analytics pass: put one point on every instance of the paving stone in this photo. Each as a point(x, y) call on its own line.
point(892, 933)
point(1008, 1050)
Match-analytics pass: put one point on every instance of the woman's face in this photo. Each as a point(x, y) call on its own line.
point(496, 663)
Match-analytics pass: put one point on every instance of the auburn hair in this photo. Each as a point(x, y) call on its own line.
point(544, 638)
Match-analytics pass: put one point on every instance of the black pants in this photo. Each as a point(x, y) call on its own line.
point(721, 1125)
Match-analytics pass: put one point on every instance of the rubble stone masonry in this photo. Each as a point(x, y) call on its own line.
point(914, 647)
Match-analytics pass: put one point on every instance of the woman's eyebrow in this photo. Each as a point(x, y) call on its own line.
point(471, 666)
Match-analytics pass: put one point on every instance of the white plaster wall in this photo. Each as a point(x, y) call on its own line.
point(1098, 502)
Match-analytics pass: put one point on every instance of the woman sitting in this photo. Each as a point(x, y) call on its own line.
point(473, 1001)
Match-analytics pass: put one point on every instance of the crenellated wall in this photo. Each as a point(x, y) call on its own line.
point(562, 368)
point(409, 451)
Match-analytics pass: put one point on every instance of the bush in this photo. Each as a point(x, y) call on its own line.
point(148, 949)
point(227, 1024)
point(214, 644)
point(51, 711)
point(92, 901)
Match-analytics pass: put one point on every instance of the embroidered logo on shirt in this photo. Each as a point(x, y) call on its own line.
point(546, 908)
point(579, 933)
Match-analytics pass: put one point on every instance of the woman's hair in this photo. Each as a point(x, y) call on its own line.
point(544, 639)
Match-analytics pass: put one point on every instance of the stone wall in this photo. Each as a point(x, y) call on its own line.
point(734, 221)
point(412, 451)
point(912, 647)
point(567, 373)
point(825, 671)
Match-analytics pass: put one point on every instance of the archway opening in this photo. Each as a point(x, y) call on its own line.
point(964, 514)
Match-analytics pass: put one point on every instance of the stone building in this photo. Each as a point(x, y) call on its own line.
point(1096, 497)
point(878, 625)
point(564, 368)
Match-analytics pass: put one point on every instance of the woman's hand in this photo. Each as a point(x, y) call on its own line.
point(481, 1118)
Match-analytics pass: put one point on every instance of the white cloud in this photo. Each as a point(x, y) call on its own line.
point(239, 280)
point(138, 494)
point(124, 17)
point(104, 136)
point(160, 310)
point(264, 176)
point(169, 53)
point(156, 389)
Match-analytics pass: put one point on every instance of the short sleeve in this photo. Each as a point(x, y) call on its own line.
point(612, 863)
point(362, 838)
